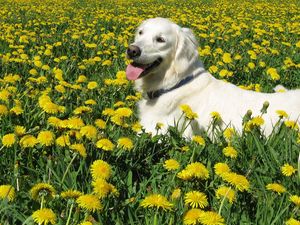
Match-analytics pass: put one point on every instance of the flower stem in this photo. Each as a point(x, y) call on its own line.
point(223, 200)
point(42, 201)
point(67, 170)
point(70, 213)
point(155, 219)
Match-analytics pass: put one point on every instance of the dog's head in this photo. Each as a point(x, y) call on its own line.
point(161, 49)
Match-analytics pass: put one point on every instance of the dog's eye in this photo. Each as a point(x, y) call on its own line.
point(140, 32)
point(160, 39)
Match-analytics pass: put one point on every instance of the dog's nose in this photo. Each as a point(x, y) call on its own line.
point(133, 51)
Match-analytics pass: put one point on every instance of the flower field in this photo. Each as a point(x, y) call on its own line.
point(73, 152)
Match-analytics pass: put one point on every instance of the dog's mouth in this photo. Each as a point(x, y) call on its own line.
point(136, 70)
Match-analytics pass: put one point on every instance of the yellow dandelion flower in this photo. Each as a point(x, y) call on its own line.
point(60, 89)
point(125, 143)
point(199, 140)
point(226, 192)
point(71, 194)
point(240, 182)
point(192, 216)
point(171, 164)
point(156, 201)
point(3, 110)
point(176, 193)
point(282, 114)
point(291, 124)
point(28, 141)
point(92, 85)
point(75, 123)
point(276, 188)
point(8, 140)
point(102, 188)
point(288, 170)
point(44, 216)
point(119, 103)
point(188, 112)
point(272, 72)
point(194, 170)
point(33, 72)
point(230, 152)
point(213, 69)
point(237, 57)
point(136, 127)
point(228, 133)
point(90, 102)
point(295, 199)
point(89, 202)
point(86, 223)
point(101, 124)
point(82, 109)
point(196, 199)
point(20, 130)
point(211, 218)
point(198, 170)
point(42, 189)
point(252, 54)
point(119, 120)
point(63, 140)
point(216, 116)
point(46, 138)
point(100, 169)
point(254, 122)
point(108, 112)
point(4, 96)
point(225, 73)
point(123, 112)
point(292, 221)
point(258, 121)
point(107, 63)
point(45, 67)
point(221, 168)
point(132, 98)
point(262, 64)
point(227, 58)
point(38, 63)
point(54, 121)
point(105, 144)
point(81, 79)
point(89, 131)
point(185, 148)
point(251, 65)
point(7, 192)
point(79, 148)
point(17, 110)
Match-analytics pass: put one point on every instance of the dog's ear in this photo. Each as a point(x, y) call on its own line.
point(186, 52)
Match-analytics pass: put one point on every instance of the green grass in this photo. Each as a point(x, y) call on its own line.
point(31, 27)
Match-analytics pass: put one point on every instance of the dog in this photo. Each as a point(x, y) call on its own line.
point(166, 68)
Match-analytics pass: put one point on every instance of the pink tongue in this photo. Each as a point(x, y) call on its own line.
point(133, 73)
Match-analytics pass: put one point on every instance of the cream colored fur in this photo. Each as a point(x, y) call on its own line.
point(205, 94)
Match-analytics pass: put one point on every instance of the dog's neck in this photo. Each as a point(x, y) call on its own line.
point(156, 94)
point(167, 80)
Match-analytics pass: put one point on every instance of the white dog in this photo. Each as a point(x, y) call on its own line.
point(167, 69)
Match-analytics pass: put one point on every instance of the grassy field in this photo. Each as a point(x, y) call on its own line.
point(72, 150)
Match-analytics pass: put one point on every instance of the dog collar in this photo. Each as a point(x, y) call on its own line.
point(155, 94)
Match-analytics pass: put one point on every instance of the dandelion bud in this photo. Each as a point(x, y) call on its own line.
point(265, 107)
point(247, 116)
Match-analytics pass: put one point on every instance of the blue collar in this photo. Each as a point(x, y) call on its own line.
point(155, 94)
